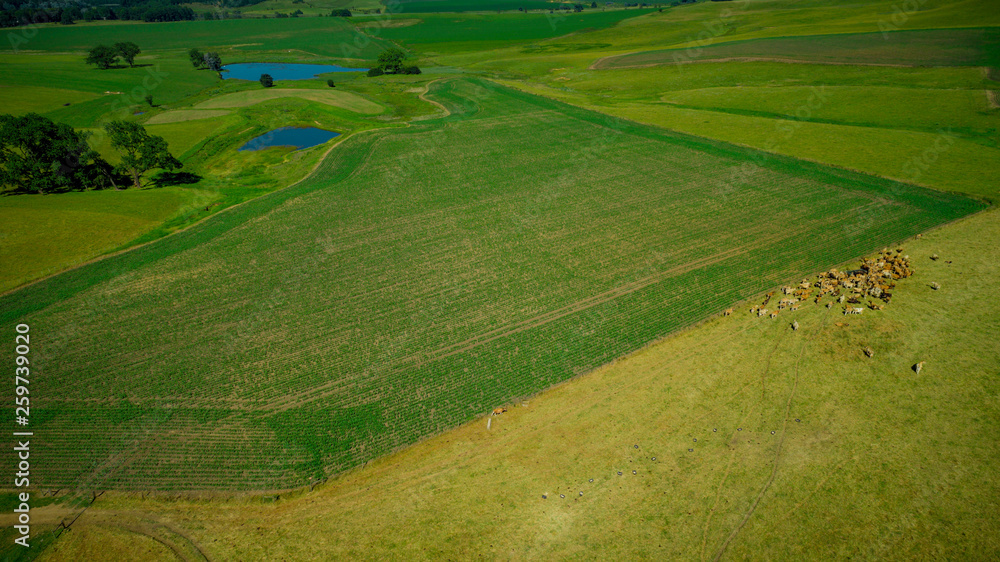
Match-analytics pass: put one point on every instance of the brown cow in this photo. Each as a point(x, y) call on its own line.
point(498, 411)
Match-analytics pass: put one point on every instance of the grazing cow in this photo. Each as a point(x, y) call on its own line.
point(761, 312)
point(787, 290)
point(498, 411)
point(852, 310)
point(795, 325)
point(829, 305)
point(869, 351)
point(935, 286)
point(795, 307)
point(841, 299)
point(874, 306)
point(934, 257)
point(728, 312)
point(918, 367)
point(854, 300)
point(774, 314)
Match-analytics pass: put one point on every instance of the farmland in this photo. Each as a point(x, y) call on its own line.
point(320, 356)
point(294, 358)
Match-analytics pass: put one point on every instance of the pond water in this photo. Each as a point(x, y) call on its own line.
point(281, 71)
point(297, 137)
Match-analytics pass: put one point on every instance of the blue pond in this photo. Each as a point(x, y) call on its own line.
point(281, 71)
point(297, 137)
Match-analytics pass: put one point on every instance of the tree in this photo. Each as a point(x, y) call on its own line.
point(149, 99)
point(66, 18)
point(266, 80)
point(197, 59)
point(412, 69)
point(375, 71)
point(41, 156)
point(127, 50)
point(140, 151)
point(330, 83)
point(390, 60)
point(103, 56)
point(213, 61)
point(341, 13)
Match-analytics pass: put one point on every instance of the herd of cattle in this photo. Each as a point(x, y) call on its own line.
point(865, 286)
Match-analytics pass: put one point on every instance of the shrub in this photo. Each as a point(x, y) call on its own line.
point(375, 71)
point(330, 83)
point(411, 70)
point(266, 80)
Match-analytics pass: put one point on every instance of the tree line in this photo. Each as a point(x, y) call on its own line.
point(38, 155)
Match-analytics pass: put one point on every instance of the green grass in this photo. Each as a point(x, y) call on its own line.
point(345, 100)
point(38, 99)
point(415, 282)
point(426, 6)
point(954, 47)
point(43, 234)
point(883, 464)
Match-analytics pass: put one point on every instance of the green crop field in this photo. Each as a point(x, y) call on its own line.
point(321, 37)
point(954, 47)
point(321, 326)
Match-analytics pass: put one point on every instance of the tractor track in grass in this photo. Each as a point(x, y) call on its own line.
point(287, 402)
point(777, 453)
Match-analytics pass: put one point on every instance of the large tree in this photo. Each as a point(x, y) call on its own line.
point(103, 56)
point(213, 61)
point(197, 59)
point(41, 156)
point(390, 61)
point(140, 151)
point(127, 50)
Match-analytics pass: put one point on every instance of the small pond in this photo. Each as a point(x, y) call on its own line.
point(281, 71)
point(297, 137)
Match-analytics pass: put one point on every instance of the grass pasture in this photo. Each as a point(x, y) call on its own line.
point(53, 232)
point(341, 99)
point(416, 282)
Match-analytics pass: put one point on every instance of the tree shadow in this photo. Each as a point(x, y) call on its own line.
point(164, 179)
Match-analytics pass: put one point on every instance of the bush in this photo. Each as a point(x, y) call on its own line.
point(330, 83)
point(411, 70)
point(342, 13)
point(375, 71)
point(266, 80)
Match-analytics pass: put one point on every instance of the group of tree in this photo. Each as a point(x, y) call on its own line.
point(15, 13)
point(105, 57)
point(210, 60)
point(392, 61)
point(38, 155)
point(341, 13)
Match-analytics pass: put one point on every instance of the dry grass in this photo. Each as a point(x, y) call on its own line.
point(345, 100)
point(181, 115)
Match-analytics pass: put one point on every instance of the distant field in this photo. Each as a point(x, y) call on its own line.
point(937, 47)
point(445, 32)
point(344, 100)
point(327, 37)
point(417, 281)
point(423, 6)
